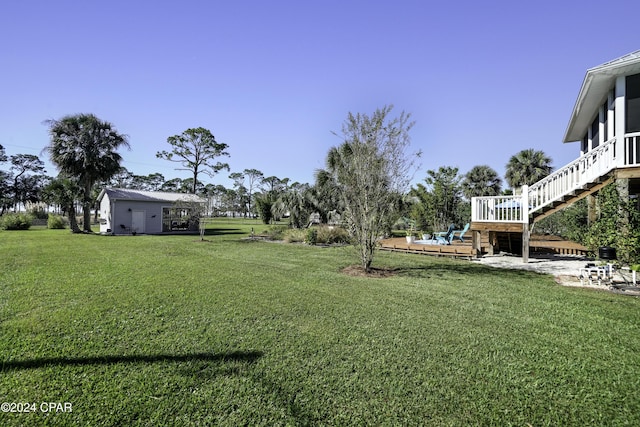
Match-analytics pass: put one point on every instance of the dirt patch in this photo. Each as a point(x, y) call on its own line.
point(358, 271)
point(568, 280)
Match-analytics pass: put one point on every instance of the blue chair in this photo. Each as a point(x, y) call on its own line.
point(464, 230)
point(445, 237)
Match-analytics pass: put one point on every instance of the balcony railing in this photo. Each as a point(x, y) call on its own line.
point(563, 182)
point(498, 209)
point(632, 149)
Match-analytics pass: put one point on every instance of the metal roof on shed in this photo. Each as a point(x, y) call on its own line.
point(148, 196)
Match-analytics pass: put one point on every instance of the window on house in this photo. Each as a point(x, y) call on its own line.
point(633, 103)
point(585, 144)
point(174, 219)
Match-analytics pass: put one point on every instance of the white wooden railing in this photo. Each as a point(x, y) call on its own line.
point(586, 169)
point(632, 149)
point(498, 209)
point(563, 182)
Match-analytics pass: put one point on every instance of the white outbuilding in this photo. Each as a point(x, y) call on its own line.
point(124, 211)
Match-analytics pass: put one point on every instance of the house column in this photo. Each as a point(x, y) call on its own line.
point(592, 213)
point(525, 242)
point(610, 115)
point(622, 186)
point(524, 206)
point(620, 125)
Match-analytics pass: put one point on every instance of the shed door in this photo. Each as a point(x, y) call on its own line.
point(137, 221)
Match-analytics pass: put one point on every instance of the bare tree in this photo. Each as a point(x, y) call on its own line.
point(254, 176)
point(372, 169)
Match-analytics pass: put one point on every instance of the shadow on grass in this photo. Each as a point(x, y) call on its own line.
point(223, 231)
point(249, 357)
point(207, 232)
point(462, 269)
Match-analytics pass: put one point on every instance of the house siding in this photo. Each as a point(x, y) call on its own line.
point(105, 215)
point(123, 216)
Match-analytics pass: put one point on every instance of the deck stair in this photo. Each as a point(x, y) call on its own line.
point(580, 178)
point(614, 159)
point(571, 198)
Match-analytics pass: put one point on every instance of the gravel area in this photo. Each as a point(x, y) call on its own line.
point(556, 265)
point(565, 269)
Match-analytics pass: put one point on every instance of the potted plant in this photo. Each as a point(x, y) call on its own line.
point(411, 237)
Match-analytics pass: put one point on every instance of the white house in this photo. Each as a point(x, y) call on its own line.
point(608, 109)
point(606, 122)
point(124, 211)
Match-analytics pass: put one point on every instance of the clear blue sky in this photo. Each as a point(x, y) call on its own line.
point(482, 80)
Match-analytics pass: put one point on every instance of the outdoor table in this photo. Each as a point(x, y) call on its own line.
point(603, 273)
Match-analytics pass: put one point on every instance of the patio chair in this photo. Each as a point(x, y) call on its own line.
point(461, 235)
point(445, 237)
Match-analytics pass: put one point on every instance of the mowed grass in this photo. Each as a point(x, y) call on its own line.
point(168, 330)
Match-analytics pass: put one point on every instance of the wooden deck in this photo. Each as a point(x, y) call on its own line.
point(551, 244)
point(537, 244)
point(457, 249)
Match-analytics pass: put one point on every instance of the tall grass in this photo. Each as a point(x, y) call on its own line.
point(169, 330)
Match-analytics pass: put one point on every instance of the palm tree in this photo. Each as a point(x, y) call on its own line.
point(83, 146)
point(295, 201)
point(481, 181)
point(527, 167)
point(325, 196)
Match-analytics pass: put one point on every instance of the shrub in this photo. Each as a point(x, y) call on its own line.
point(332, 235)
point(312, 236)
point(323, 234)
point(56, 222)
point(15, 221)
point(618, 225)
point(275, 233)
point(263, 206)
point(294, 235)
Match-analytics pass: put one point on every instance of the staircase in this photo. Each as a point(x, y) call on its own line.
point(585, 175)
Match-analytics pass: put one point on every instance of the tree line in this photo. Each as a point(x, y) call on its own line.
point(365, 184)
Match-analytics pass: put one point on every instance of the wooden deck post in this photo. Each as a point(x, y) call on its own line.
point(493, 242)
point(525, 242)
point(476, 243)
point(524, 206)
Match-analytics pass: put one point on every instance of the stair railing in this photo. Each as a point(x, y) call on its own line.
point(577, 174)
point(563, 182)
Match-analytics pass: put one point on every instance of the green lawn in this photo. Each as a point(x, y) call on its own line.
point(168, 330)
